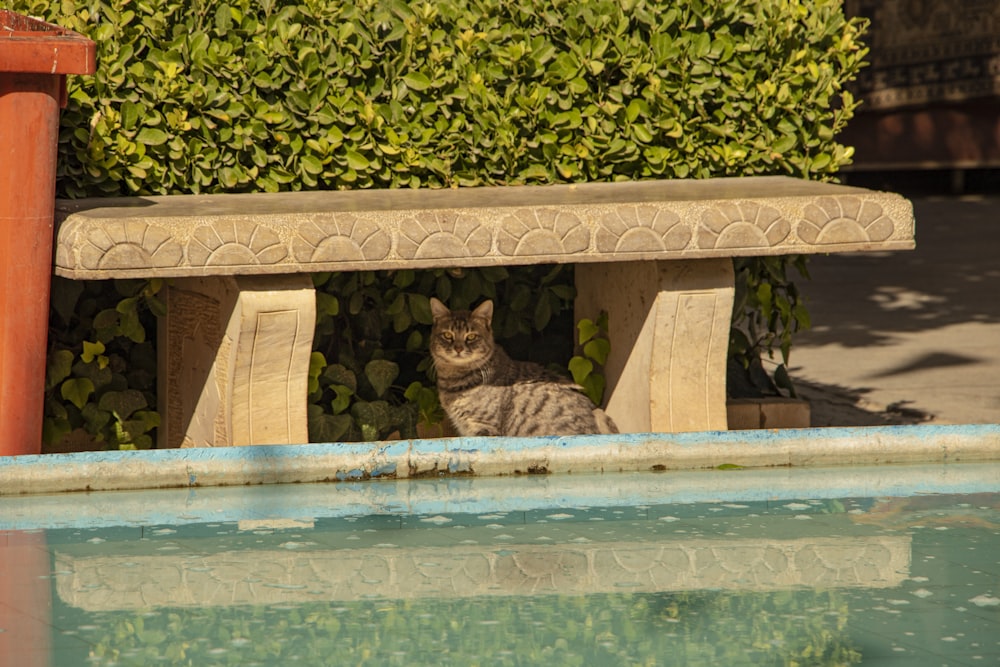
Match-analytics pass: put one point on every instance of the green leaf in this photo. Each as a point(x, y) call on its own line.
point(543, 313)
point(95, 418)
point(311, 164)
point(642, 133)
point(328, 428)
point(381, 373)
point(130, 114)
point(372, 417)
point(414, 341)
point(597, 349)
point(536, 172)
point(784, 144)
point(122, 403)
point(77, 391)
point(783, 380)
point(58, 367)
point(593, 387)
point(356, 160)
point(764, 294)
point(429, 408)
point(637, 107)
point(340, 374)
point(317, 363)
point(149, 419)
point(802, 318)
point(416, 81)
point(420, 308)
point(151, 136)
point(565, 292)
point(587, 330)
point(342, 399)
point(156, 306)
point(327, 304)
point(91, 351)
point(580, 368)
point(401, 321)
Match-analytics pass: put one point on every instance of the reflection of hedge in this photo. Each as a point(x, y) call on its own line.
point(248, 95)
point(804, 628)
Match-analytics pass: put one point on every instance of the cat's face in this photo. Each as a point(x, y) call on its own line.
point(461, 337)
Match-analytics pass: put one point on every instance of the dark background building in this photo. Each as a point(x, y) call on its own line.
point(930, 121)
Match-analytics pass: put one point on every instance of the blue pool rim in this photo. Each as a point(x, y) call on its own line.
point(333, 462)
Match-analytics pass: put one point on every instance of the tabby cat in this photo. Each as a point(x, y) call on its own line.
point(485, 392)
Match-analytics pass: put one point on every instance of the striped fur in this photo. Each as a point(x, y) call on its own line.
point(485, 392)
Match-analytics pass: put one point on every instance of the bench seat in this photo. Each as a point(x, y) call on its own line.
point(656, 255)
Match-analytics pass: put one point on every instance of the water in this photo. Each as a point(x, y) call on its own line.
point(872, 566)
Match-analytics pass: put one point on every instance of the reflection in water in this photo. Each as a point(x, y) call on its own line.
point(833, 581)
point(301, 572)
point(697, 628)
point(25, 599)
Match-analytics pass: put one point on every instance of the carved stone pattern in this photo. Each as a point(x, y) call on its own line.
point(438, 235)
point(641, 228)
point(190, 315)
point(130, 243)
point(837, 220)
point(742, 225)
point(201, 243)
point(269, 576)
point(531, 232)
point(221, 379)
point(344, 237)
point(235, 243)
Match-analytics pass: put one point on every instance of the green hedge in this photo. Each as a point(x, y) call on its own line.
point(210, 96)
point(258, 95)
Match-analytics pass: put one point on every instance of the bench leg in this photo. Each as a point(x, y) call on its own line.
point(234, 361)
point(669, 330)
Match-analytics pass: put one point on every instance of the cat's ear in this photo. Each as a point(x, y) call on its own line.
point(438, 309)
point(484, 311)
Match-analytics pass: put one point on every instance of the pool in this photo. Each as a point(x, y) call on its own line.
point(886, 565)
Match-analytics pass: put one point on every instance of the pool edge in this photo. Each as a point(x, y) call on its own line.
point(331, 462)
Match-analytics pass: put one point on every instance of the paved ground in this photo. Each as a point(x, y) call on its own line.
point(909, 336)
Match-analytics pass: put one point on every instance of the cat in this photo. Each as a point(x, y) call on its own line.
point(485, 392)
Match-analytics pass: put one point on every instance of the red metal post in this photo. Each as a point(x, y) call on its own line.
point(34, 60)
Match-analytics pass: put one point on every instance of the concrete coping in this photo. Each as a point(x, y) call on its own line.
point(451, 458)
point(296, 232)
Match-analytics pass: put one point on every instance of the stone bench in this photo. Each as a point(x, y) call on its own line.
point(656, 255)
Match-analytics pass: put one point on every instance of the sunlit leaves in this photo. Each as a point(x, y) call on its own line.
point(592, 336)
point(243, 96)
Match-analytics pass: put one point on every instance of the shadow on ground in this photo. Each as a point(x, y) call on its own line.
point(831, 405)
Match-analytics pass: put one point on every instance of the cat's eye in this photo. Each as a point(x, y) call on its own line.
point(448, 336)
point(471, 338)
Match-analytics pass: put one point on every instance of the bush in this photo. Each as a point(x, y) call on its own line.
point(265, 95)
